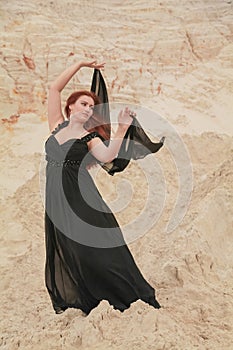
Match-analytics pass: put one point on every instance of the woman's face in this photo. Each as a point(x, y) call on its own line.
point(82, 108)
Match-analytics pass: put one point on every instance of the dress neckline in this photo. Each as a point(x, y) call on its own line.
point(72, 139)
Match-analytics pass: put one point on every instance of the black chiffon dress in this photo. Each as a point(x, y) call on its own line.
point(87, 259)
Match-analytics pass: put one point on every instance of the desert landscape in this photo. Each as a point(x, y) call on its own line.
point(173, 59)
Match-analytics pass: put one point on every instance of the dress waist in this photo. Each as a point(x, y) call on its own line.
point(65, 162)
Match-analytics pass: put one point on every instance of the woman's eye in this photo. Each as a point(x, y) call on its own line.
point(85, 104)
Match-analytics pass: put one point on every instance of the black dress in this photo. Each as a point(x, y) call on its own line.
point(87, 259)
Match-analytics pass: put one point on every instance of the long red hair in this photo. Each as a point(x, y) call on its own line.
point(96, 121)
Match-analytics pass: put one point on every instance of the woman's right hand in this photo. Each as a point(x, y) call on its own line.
point(92, 64)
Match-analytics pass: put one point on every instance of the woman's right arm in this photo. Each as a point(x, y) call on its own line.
point(55, 115)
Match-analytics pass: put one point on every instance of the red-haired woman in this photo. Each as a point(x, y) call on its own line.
point(87, 259)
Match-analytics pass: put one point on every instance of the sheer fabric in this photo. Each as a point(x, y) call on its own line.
point(136, 143)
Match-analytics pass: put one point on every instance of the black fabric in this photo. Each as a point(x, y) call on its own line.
point(87, 261)
point(99, 88)
point(136, 143)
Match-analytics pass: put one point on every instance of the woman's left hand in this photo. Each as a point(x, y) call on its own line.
point(125, 118)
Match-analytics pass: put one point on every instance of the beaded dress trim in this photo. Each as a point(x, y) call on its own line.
point(69, 162)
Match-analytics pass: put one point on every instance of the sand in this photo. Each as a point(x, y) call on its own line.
point(171, 59)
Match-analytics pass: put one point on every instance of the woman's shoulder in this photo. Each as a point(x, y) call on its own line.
point(60, 126)
point(91, 135)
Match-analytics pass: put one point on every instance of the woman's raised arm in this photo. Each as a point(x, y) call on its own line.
point(104, 153)
point(55, 115)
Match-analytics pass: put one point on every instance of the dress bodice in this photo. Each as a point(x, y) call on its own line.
point(74, 149)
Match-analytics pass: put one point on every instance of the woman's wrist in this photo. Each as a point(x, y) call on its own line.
point(81, 64)
point(121, 130)
point(78, 66)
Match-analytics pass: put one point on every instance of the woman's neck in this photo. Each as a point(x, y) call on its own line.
point(76, 127)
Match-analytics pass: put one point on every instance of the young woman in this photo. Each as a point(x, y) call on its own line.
point(87, 259)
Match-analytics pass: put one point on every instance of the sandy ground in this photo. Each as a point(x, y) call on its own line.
point(181, 80)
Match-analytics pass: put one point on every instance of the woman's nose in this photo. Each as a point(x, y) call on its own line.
point(89, 109)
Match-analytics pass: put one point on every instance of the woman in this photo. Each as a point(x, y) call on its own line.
point(87, 259)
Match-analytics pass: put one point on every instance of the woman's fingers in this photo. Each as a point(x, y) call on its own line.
point(100, 65)
point(132, 114)
point(94, 64)
point(129, 112)
point(125, 116)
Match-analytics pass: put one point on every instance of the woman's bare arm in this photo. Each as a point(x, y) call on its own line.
point(55, 114)
point(104, 153)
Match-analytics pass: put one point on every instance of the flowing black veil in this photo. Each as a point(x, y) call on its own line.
point(136, 143)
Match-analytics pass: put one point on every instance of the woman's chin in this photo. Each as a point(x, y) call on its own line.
point(81, 119)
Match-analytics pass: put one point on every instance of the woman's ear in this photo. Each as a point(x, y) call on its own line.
point(70, 108)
